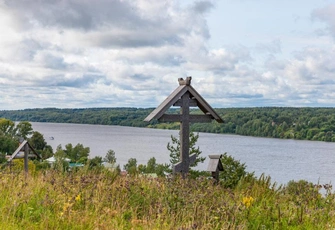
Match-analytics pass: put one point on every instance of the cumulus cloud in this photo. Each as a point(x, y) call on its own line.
point(75, 53)
point(108, 23)
point(130, 45)
point(73, 14)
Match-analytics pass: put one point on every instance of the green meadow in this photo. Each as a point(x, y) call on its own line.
point(101, 199)
point(95, 197)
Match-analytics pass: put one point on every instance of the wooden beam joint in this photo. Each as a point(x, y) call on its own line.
point(193, 103)
point(194, 118)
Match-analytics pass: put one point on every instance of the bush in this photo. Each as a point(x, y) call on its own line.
point(302, 191)
point(42, 165)
point(233, 171)
point(18, 166)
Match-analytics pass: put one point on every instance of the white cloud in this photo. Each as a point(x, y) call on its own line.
point(72, 53)
point(326, 14)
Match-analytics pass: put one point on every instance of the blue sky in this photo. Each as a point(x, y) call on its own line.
point(130, 53)
point(267, 24)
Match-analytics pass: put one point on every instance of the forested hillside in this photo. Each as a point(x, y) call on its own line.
point(277, 122)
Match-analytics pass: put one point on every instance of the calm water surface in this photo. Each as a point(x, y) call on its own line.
point(283, 160)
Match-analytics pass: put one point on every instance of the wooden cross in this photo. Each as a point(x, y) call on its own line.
point(24, 148)
point(185, 96)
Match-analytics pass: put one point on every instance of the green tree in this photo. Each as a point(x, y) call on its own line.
point(59, 152)
point(174, 150)
point(79, 153)
point(8, 144)
point(7, 127)
point(95, 162)
point(151, 165)
point(61, 164)
point(24, 129)
point(37, 141)
point(131, 166)
point(40, 145)
point(8, 141)
point(110, 157)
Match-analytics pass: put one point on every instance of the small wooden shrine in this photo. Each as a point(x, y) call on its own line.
point(215, 166)
point(25, 151)
point(184, 96)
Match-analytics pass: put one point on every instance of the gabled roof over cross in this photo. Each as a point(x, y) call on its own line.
point(22, 148)
point(195, 100)
point(184, 96)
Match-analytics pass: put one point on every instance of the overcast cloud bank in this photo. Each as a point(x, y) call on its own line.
point(121, 53)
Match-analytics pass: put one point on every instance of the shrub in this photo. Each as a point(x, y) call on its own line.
point(302, 191)
point(233, 171)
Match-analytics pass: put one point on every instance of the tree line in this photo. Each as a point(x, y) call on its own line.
point(276, 122)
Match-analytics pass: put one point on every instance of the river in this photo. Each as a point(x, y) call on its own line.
point(282, 160)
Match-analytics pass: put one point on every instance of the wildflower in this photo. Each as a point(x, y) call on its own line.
point(78, 198)
point(247, 201)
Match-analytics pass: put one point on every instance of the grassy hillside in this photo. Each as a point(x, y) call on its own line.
point(104, 200)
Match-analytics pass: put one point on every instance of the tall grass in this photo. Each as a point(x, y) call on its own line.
point(105, 200)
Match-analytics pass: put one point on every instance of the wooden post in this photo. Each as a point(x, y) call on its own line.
point(26, 153)
point(185, 134)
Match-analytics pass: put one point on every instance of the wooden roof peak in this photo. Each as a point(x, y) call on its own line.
point(183, 88)
point(20, 148)
point(185, 82)
point(215, 163)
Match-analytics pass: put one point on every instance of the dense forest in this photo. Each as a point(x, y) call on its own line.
point(276, 122)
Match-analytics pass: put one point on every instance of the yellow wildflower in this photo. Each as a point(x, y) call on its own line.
point(247, 201)
point(78, 197)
